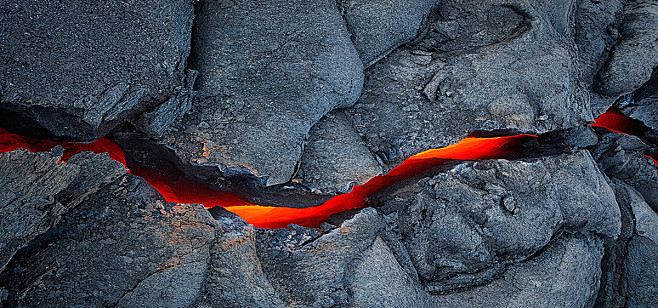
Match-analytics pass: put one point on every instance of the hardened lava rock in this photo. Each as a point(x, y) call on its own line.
point(462, 227)
point(482, 66)
point(37, 190)
point(268, 71)
point(75, 69)
point(335, 164)
point(378, 27)
point(635, 55)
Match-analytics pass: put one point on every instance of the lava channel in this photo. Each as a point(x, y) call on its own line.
point(614, 120)
point(183, 190)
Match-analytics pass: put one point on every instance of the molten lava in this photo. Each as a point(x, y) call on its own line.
point(10, 141)
point(183, 190)
point(617, 122)
point(469, 148)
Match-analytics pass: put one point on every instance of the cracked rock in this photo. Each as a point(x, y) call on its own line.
point(263, 82)
point(37, 190)
point(623, 157)
point(482, 66)
point(315, 273)
point(78, 68)
point(335, 158)
point(123, 246)
point(378, 27)
point(635, 55)
point(458, 232)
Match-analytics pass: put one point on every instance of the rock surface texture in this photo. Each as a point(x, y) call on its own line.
point(264, 80)
point(289, 102)
point(76, 69)
point(482, 66)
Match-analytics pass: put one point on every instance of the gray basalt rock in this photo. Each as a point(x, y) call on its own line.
point(462, 227)
point(236, 278)
point(310, 268)
point(565, 274)
point(482, 66)
point(335, 158)
point(79, 68)
point(378, 280)
point(268, 71)
point(595, 32)
point(635, 55)
point(623, 157)
point(645, 110)
point(123, 246)
point(644, 104)
point(36, 190)
point(378, 27)
point(638, 271)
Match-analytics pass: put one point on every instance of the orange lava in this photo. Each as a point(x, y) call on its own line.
point(10, 141)
point(183, 190)
point(469, 148)
point(617, 122)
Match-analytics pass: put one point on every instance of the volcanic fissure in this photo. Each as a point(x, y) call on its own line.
point(181, 189)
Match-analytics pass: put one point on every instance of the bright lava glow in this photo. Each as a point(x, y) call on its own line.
point(469, 148)
point(183, 190)
point(10, 141)
point(617, 122)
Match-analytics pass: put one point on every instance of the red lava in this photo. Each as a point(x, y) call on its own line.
point(183, 190)
point(617, 122)
point(10, 141)
point(469, 148)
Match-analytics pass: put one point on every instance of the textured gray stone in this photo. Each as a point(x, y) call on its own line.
point(236, 278)
point(79, 68)
point(311, 269)
point(635, 55)
point(123, 246)
point(639, 274)
point(335, 158)
point(377, 27)
point(461, 227)
point(36, 190)
point(623, 157)
point(378, 280)
point(566, 274)
point(642, 272)
point(264, 80)
point(482, 66)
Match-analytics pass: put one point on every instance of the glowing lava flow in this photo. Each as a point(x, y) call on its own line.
point(182, 190)
point(10, 141)
point(469, 148)
point(617, 122)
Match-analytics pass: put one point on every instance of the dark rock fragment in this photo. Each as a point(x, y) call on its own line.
point(264, 80)
point(635, 55)
point(623, 157)
point(335, 158)
point(378, 27)
point(79, 68)
point(124, 246)
point(482, 66)
point(36, 190)
point(235, 277)
point(459, 231)
point(312, 270)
